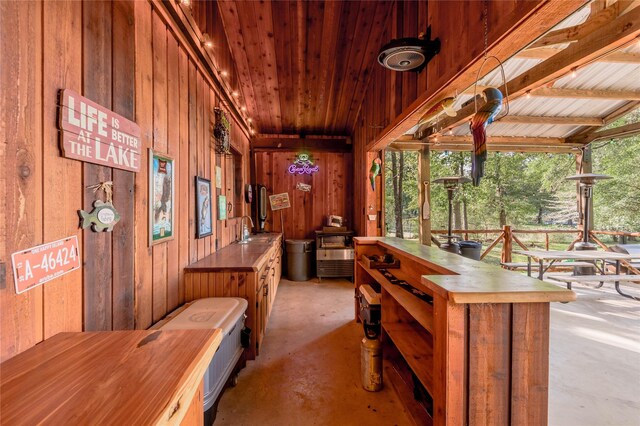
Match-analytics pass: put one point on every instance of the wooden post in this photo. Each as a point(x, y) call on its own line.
point(546, 241)
point(507, 244)
point(424, 190)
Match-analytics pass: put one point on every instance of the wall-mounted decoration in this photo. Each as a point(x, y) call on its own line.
point(279, 201)
point(161, 196)
point(303, 164)
point(204, 217)
point(37, 265)
point(248, 193)
point(221, 132)
point(374, 171)
point(426, 209)
point(222, 207)
point(303, 187)
point(104, 215)
point(218, 177)
point(92, 133)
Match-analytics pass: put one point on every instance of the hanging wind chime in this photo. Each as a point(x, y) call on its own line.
point(488, 113)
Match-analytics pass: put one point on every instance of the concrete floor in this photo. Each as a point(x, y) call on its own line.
point(308, 372)
point(595, 359)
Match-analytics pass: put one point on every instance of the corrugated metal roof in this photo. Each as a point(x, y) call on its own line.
point(595, 76)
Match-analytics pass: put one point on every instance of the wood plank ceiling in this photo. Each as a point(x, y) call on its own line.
point(304, 66)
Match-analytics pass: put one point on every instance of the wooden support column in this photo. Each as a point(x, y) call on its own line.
point(424, 191)
point(507, 244)
point(584, 164)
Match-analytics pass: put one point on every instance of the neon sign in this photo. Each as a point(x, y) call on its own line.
point(303, 165)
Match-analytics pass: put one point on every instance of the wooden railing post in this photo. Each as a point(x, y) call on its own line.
point(546, 241)
point(507, 244)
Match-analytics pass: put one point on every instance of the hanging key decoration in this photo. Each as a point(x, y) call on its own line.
point(104, 216)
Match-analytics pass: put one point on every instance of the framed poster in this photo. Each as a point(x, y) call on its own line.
point(161, 196)
point(203, 207)
point(279, 201)
point(222, 207)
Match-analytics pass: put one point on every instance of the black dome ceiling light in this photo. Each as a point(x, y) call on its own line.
point(410, 53)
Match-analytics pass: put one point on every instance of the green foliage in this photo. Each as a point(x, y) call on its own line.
point(527, 190)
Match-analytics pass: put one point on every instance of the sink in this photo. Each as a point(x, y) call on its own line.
point(258, 239)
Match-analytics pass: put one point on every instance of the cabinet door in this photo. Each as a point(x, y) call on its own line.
point(259, 318)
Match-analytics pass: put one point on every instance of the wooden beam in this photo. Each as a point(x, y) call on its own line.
point(288, 143)
point(578, 32)
point(557, 121)
point(621, 112)
point(613, 95)
point(547, 52)
point(509, 148)
point(504, 140)
point(606, 38)
point(625, 131)
point(543, 17)
point(416, 146)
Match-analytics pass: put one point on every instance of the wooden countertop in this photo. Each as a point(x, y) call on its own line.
point(114, 377)
point(237, 257)
point(465, 280)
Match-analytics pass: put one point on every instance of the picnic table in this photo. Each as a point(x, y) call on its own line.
point(594, 256)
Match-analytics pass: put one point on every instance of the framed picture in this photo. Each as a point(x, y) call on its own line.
point(161, 196)
point(218, 177)
point(204, 219)
point(222, 207)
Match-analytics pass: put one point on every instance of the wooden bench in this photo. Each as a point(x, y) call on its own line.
point(616, 279)
point(513, 266)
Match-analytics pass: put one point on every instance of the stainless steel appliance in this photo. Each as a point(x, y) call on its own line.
point(334, 253)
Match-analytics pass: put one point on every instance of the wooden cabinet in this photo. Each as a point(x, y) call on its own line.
point(251, 271)
point(473, 348)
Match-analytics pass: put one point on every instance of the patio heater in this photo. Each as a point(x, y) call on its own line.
point(451, 184)
point(586, 181)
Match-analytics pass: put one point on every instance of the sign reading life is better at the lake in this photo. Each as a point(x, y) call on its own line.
point(92, 133)
point(37, 265)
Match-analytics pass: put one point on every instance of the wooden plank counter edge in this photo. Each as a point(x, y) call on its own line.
point(107, 377)
point(464, 280)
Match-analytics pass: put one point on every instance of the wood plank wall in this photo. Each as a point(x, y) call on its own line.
point(389, 93)
point(125, 56)
point(331, 191)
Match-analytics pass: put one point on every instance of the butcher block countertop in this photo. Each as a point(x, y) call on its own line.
point(139, 377)
point(462, 280)
point(237, 257)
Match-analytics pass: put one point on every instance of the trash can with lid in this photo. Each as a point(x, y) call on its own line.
point(299, 259)
point(470, 249)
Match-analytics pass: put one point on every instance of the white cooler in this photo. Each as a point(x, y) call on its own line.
point(226, 313)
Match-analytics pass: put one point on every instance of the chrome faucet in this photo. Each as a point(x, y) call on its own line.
point(245, 237)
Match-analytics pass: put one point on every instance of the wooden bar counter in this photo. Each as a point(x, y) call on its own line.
point(474, 348)
point(140, 377)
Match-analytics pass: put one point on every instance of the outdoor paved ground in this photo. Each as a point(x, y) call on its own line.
point(595, 359)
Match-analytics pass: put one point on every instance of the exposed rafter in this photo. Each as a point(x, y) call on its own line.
point(415, 146)
point(558, 121)
point(613, 95)
point(547, 52)
point(610, 36)
point(578, 32)
point(618, 132)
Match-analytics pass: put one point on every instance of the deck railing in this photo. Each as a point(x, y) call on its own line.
point(508, 236)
